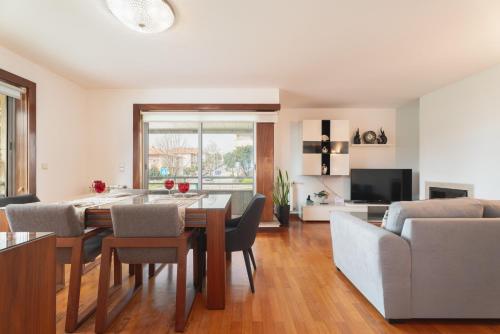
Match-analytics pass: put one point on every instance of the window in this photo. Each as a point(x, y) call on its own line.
point(17, 153)
point(217, 157)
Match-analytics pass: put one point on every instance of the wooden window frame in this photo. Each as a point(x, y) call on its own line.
point(138, 109)
point(30, 87)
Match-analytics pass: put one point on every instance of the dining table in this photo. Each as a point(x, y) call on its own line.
point(206, 211)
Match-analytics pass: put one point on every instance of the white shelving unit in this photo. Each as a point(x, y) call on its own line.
point(336, 159)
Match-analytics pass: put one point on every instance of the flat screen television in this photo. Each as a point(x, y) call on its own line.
point(381, 185)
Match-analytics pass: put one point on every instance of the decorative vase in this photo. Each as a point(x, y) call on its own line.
point(99, 186)
point(382, 138)
point(357, 138)
point(283, 214)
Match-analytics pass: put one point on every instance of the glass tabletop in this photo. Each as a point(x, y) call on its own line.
point(13, 239)
point(197, 201)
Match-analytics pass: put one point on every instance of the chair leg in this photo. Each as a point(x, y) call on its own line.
point(151, 269)
point(130, 269)
point(249, 269)
point(101, 318)
point(75, 281)
point(117, 269)
point(180, 299)
point(196, 265)
point(252, 258)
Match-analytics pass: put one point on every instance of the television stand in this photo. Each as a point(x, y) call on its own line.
point(372, 213)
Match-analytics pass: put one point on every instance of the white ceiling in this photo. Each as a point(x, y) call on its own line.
point(371, 53)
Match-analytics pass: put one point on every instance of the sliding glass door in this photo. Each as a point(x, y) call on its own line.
point(216, 157)
point(172, 152)
point(12, 179)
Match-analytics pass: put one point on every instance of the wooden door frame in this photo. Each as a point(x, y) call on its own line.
point(30, 87)
point(139, 109)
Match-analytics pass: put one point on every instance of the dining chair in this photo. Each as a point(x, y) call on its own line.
point(240, 235)
point(75, 246)
point(21, 199)
point(150, 233)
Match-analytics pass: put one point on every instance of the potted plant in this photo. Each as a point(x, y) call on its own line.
point(280, 197)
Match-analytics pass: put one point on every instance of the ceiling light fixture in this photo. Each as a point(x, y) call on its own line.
point(147, 16)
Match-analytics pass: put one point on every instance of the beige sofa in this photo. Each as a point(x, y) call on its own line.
point(433, 259)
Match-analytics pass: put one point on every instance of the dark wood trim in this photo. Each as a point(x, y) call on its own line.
point(265, 166)
point(137, 147)
point(30, 86)
point(208, 107)
point(137, 159)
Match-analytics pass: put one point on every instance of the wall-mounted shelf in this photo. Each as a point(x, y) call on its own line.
point(372, 145)
point(325, 147)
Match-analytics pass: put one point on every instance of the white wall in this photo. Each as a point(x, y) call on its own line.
point(459, 131)
point(288, 146)
point(111, 122)
point(407, 141)
point(61, 129)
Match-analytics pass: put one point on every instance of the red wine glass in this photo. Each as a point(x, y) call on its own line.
point(183, 187)
point(169, 185)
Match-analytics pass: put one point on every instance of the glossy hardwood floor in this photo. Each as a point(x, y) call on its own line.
point(297, 287)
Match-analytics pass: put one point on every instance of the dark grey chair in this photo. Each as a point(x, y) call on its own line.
point(241, 233)
point(75, 245)
point(21, 199)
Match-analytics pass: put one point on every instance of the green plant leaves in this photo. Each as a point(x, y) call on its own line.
point(281, 190)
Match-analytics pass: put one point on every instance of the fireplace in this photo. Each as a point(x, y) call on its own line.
point(448, 190)
point(438, 192)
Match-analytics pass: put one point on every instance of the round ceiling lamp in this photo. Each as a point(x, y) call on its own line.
point(147, 16)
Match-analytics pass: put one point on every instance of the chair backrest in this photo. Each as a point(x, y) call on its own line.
point(249, 221)
point(146, 220)
point(21, 199)
point(58, 218)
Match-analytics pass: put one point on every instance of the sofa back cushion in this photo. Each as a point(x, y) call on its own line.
point(435, 208)
point(491, 208)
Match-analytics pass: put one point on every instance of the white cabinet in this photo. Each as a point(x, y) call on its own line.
point(339, 164)
point(311, 130)
point(327, 157)
point(340, 131)
point(311, 164)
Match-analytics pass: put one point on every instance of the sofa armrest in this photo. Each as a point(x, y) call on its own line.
point(455, 269)
point(376, 261)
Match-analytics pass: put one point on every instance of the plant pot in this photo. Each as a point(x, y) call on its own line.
point(283, 214)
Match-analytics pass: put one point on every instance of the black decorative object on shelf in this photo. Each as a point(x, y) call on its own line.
point(357, 138)
point(309, 201)
point(369, 137)
point(325, 150)
point(382, 138)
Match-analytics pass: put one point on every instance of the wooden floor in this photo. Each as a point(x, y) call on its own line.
point(297, 287)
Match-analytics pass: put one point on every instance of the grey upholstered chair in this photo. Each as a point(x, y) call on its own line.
point(75, 245)
point(150, 233)
point(21, 199)
point(241, 233)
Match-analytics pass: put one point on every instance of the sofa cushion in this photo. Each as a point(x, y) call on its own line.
point(491, 208)
point(435, 208)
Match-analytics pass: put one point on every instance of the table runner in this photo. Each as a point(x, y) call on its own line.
point(85, 203)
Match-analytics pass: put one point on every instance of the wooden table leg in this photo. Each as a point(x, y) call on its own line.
point(60, 277)
point(216, 260)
